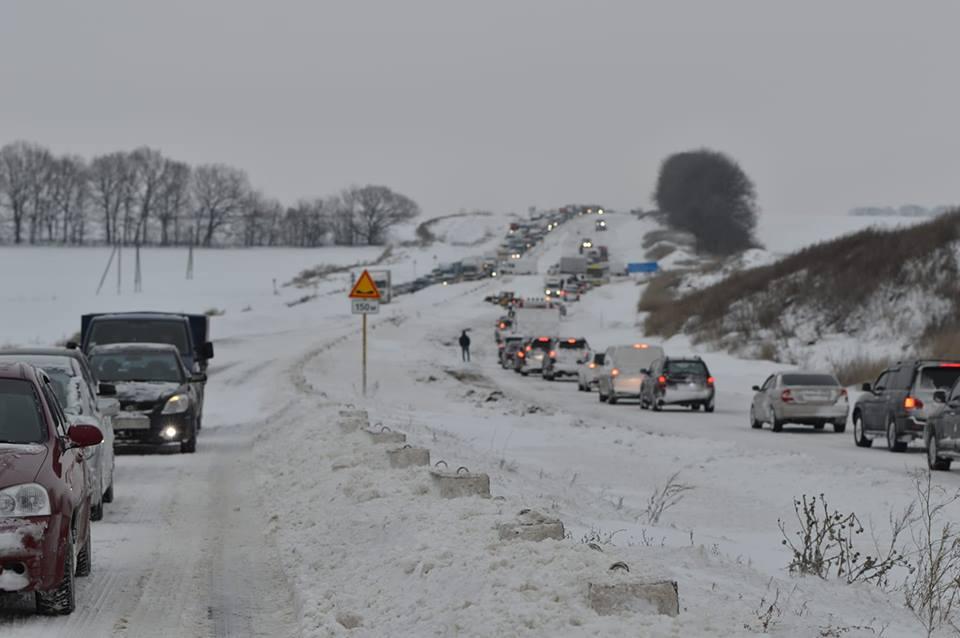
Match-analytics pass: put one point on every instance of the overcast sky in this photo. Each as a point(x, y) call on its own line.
point(506, 104)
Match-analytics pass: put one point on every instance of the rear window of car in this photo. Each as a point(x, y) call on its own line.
point(21, 417)
point(630, 357)
point(685, 367)
point(810, 379)
point(105, 332)
point(539, 344)
point(933, 378)
point(599, 358)
point(575, 344)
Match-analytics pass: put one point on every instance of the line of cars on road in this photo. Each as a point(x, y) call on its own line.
point(134, 380)
point(917, 399)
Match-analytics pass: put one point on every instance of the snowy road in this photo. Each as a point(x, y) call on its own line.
point(180, 553)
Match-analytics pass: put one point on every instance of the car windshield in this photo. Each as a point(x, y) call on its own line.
point(21, 419)
point(105, 332)
point(573, 344)
point(58, 368)
point(936, 378)
point(810, 379)
point(686, 367)
point(151, 367)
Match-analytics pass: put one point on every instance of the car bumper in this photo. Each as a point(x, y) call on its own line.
point(126, 438)
point(801, 413)
point(686, 396)
point(30, 557)
point(564, 370)
point(627, 388)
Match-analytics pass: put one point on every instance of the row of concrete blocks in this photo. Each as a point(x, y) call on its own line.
point(605, 598)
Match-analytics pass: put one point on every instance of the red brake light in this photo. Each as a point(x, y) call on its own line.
point(502, 325)
point(543, 339)
point(662, 380)
point(571, 340)
point(520, 354)
point(553, 354)
point(591, 365)
point(528, 348)
point(710, 380)
point(614, 372)
point(912, 403)
point(786, 396)
point(950, 365)
point(640, 346)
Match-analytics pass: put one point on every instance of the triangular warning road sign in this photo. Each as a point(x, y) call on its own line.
point(365, 288)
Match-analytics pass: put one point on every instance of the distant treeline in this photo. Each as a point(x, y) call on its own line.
point(143, 197)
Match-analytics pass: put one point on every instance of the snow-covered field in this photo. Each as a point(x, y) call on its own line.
point(281, 510)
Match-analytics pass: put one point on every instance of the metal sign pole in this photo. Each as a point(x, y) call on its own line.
point(364, 366)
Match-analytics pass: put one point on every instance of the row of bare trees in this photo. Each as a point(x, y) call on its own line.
point(143, 197)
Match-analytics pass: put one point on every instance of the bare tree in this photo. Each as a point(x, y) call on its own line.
point(376, 209)
point(173, 199)
point(259, 215)
point(15, 183)
point(150, 170)
point(220, 192)
point(70, 192)
point(110, 185)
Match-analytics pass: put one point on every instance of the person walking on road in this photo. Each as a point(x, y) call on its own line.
point(465, 346)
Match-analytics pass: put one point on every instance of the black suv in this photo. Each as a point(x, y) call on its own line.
point(897, 405)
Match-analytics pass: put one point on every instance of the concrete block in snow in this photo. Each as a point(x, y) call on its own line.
point(407, 456)
point(461, 483)
point(386, 435)
point(609, 599)
point(531, 526)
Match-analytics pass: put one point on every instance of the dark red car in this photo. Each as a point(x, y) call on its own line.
point(44, 498)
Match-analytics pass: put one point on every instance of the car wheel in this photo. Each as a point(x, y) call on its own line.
point(756, 425)
point(709, 407)
point(695, 407)
point(858, 436)
point(840, 426)
point(108, 495)
point(62, 599)
point(776, 424)
point(524, 373)
point(548, 377)
point(892, 443)
point(656, 405)
point(84, 557)
point(818, 426)
point(601, 396)
point(189, 446)
point(612, 399)
point(934, 461)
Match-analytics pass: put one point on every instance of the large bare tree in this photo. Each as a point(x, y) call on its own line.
point(111, 183)
point(173, 200)
point(70, 192)
point(376, 209)
point(220, 193)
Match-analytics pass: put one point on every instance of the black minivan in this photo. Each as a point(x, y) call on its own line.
point(897, 405)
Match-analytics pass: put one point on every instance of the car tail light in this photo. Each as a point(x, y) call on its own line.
point(553, 354)
point(640, 346)
point(543, 339)
point(528, 348)
point(786, 396)
point(950, 365)
point(520, 354)
point(502, 325)
point(912, 403)
point(571, 340)
point(662, 380)
point(501, 346)
point(710, 381)
point(591, 365)
point(614, 372)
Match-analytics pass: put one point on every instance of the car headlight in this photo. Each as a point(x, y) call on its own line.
point(177, 404)
point(28, 499)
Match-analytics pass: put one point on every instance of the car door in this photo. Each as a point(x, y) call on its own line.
point(71, 459)
point(604, 377)
point(650, 380)
point(105, 448)
point(949, 419)
point(761, 408)
point(873, 407)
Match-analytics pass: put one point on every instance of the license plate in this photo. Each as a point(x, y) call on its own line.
point(131, 423)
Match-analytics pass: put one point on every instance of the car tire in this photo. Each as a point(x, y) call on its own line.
point(695, 407)
point(96, 511)
point(935, 462)
point(524, 373)
point(108, 495)
point(656, 405)
point(892, 443)
point(62, 599)
point(756, 425)
point(840, 426)
point(548, 377)
point(84, 558)
point(776, 424)
point(819, 426)
point(858, 435)
point(601, 396)
point(708, 407)
point(612, 399)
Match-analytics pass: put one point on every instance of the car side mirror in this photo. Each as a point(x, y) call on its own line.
point(755, 388)
point(84, 435)
point(107, 390)
point(199, 377)
point(206, 351)
point(72, 345)
point(940, 396)
point(866, 387)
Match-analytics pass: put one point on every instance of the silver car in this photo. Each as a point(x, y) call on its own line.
point(588, 371)
point(78, 393)
point(804, 398)
point(624, 369)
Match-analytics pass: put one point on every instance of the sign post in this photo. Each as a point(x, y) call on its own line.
point(364, 300)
